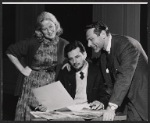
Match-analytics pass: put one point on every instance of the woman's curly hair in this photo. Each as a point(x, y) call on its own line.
point(47, 16)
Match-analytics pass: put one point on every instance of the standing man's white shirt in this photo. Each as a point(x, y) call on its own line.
point(109, 44)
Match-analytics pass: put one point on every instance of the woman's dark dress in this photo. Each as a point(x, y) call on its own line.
point(44, 58)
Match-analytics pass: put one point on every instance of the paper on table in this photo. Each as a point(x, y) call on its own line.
point(53, 115)
point(54, 96)
point(79, 107)
point(84, 111)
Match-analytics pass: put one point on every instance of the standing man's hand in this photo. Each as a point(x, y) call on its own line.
point(109, 114)
point(96, 105)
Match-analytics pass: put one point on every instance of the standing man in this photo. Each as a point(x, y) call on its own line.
point(83, 82)
point(125, 60)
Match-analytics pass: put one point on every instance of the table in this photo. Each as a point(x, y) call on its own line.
point(117, 118)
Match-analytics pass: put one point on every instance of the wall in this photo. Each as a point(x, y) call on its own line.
point(121, 18)
point(26, 15)
point(18, 24)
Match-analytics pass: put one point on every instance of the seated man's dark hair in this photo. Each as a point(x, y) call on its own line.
point(73, 45)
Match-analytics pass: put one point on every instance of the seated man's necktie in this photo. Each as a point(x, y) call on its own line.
point(81, 75)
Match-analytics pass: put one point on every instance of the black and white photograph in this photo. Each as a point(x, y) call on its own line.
point(74, 61)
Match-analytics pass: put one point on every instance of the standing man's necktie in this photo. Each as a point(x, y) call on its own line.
point(81, 75)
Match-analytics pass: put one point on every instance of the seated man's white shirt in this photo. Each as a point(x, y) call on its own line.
point(81, 85)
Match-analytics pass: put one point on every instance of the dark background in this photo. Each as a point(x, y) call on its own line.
point(18, 23)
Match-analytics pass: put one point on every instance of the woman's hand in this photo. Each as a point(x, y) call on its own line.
point(66, 65)
point(26, 71)
point(41, 108)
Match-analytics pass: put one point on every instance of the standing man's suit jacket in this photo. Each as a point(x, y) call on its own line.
point(128, 66)
point(95, 86)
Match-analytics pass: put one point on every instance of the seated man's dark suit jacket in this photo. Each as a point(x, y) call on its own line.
point(95, 85)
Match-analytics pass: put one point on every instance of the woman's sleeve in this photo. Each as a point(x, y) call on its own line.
point(18, 49)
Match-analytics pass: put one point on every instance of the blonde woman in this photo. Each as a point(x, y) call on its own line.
point(43, 54)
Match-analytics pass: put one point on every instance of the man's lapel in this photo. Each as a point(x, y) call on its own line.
point(90, 78)
point(72, 82)
point(113, 62)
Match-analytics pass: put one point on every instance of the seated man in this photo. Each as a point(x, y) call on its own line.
point(83, 82)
